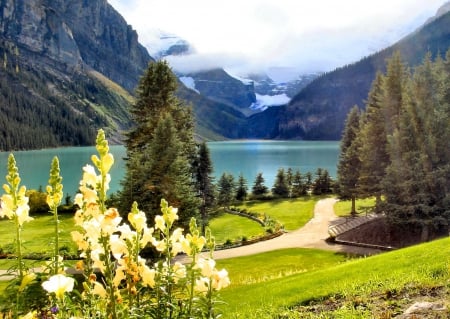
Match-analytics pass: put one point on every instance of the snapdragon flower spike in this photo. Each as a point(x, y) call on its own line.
point(55, 187)
point(14, 204)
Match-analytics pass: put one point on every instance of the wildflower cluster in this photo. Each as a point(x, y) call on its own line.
point(118, 282)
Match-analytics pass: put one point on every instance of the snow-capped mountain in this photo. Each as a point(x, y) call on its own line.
point(251, 93)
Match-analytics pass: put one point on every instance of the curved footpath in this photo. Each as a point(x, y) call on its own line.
point(312, 235)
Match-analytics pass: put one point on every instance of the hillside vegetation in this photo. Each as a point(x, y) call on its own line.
point(381, 286)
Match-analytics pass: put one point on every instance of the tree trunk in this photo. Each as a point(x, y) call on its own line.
point(353, 212)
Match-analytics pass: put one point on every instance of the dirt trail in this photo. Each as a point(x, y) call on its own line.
point(312, 235)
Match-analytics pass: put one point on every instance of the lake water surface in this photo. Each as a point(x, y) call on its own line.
point(235, 157)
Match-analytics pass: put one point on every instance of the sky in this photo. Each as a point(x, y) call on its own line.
point(251, 35)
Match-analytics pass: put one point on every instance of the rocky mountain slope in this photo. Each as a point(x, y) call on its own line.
point(71, 67)
point(320, 109)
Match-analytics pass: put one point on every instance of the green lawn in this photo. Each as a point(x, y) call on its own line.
point(292, 213)
point(38, 234)
point(344, 207)
point(233, 227)
point(424, 266)
point(277, 264)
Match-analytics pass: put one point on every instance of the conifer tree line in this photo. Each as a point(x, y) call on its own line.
point(398, 149)
point(287, 184)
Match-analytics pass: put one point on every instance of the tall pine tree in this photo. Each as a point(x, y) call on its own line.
point(349, 162)
point(157, 106)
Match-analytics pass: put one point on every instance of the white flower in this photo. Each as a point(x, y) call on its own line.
point(220, 279)
point(59, 284)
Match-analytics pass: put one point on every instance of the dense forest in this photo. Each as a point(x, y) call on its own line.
point(398, 149)
point(41, 110)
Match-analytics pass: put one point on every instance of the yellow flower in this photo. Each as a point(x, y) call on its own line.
point(179, 271)
point(160, 223)
point(26, 280)
point(206, 266)
point(160, 245)
point(30, 315)
point(108, 161)
point(138, 220)
point(171, 215)
point(147, 237)
point(59, 284)
point(148, 275)
point(193, 242)
point(98, 289)
point(118, 246)
point(201, 285)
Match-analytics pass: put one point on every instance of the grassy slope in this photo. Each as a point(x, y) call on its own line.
point(234, 227)
point(423, 265)
point(292, 213)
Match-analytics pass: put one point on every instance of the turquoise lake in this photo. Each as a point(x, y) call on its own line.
point(235, 157)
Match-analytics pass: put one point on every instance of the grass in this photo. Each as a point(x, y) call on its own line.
point(292, 213)
point(344, 207)
point(234, 228)
point(422, 266)
point(277, 264)
point(38, 234)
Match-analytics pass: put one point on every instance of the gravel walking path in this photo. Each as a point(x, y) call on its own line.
point(312, 235)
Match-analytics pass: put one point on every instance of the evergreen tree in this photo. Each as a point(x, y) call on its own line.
point(204, 182)
point(259, 189)
point(280, 187)
point(349, 163)
point(373, 153)
point(322, 183)
point(242, 189)
point(167, 174)
point(158, 109)
point(298, 186)
point(226, 190)
point(393, 87)
point(415, 193)
point(308, 181)
point(290, 180)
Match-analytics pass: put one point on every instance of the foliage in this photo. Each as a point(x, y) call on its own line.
point(118, 283)
point(225, 190)
point(281, 186)
point(323, 183)
point(160, 147)
point(348, 168)
point(241, 188)
point(204, 182)
point(404, 145)
point(259, 189)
